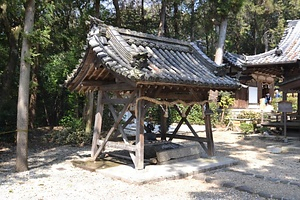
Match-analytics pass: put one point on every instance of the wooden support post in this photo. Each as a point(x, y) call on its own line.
point(98, 123)
point(139, 153)
point(115, 126)
point(128, 121)
point(209, 135)
point(163, 124)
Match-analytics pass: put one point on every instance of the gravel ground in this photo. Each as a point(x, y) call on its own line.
point(52, 175)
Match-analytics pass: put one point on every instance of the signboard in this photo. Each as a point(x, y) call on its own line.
point(285, 106)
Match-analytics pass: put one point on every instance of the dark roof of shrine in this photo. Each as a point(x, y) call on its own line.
point(144, 59)
point(287, 51)
point(291, 85)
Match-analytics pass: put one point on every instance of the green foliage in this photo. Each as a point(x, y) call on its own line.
point(108, 119)
point(263, 129)
point(290, 98)
point(60, 34)
point(254, 116)
point(223, 8)
point(293, 99)
point(217, 115)
point(247, 128)
point(196, 115)
point(71, 133)
point(226, 100)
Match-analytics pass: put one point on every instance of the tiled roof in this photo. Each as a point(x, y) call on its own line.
point(292, 84)
point(287, 51)
point(147, 58)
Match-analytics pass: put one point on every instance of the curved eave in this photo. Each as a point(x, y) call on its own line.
point(191, 85)
point(270, 64)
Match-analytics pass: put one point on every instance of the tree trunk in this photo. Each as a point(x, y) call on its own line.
point(23, 97)
point(118, 13)
point(142, 16)
point(162, 23)
point(192, 21)
point(97, 8)
point(176, 19)
point(221, 42)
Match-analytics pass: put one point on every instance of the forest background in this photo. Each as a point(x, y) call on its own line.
point(59, 38)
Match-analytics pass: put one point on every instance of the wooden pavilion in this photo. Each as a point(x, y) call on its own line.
point(137, 70)
point(260, 72)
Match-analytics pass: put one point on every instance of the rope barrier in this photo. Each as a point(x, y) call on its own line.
point(168, 104)
point(5, 132)
point(18, 130)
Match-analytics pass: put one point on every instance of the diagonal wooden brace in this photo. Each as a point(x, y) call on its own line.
point(115, 126)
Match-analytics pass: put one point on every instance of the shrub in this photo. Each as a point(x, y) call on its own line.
point(247, 128)
point(71, 133)
point(225, 102)
point(254, 116)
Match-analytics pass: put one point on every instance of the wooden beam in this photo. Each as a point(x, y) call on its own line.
point(183, 119)
point(115, 101)
point(174, 95)
point(118, 145)
point(98, 123)
point(116, 87)
point(120, 128)
point(104, 72)
point(92, 83)
point(187, 137)
point(209, 135)
point(129, 120)
point(140, 140)
point(163, 123)
point(114, 127)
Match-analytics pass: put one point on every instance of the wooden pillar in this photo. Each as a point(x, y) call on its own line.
point(163, 124)
point(139, 152)
point(98, 123)
point(259, 91)
point(208, 129)
point(89, 111)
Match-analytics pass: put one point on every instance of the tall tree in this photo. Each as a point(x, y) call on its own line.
point(90, 94)
point(176, 19)
point(192, 20)
point(23, 97)
point(162, 22)
point(97, 8)
point(223, 8)
point(118, 13)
